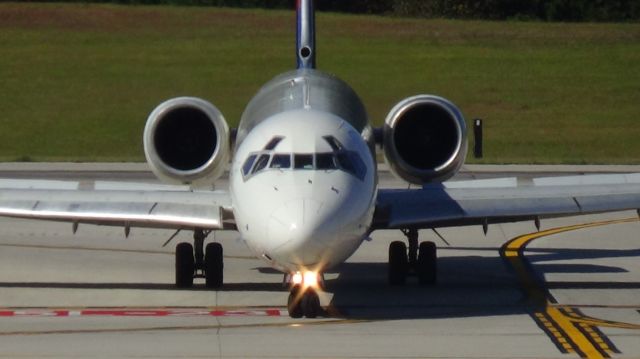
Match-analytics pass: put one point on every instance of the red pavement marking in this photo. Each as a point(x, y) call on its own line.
point(136, 312)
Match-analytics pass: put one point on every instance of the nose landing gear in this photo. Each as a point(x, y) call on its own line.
point(303, 302)
point(420, 260)
point(303, 298)
point(194, 262)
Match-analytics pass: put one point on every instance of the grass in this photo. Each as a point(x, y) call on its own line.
point(78, 81)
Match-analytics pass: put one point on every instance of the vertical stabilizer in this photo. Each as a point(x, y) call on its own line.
point(306, 35)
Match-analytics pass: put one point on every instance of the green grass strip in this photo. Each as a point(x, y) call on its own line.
point(78, 81)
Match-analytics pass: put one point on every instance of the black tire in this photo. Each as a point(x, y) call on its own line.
point(294, 303)
point(310, 303)
point(398, 263)
point(213, 265)
point(185, 265)
point(427, 266)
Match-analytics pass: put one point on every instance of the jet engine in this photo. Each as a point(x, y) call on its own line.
point(186, 141)
point(425, 139)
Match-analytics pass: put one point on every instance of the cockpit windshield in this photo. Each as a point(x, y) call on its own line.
point(303, 161)
point(339, 159)
point(280, 160)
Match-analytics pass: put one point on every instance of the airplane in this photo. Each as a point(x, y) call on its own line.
point(303, 189)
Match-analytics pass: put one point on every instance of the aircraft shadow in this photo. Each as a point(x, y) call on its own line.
point(467, 286)
point(551, 254)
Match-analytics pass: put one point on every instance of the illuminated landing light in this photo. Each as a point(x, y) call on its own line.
point(306, 279)
point(311, 279)
point(297, 278)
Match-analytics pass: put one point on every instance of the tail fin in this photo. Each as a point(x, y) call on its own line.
point(306, 35)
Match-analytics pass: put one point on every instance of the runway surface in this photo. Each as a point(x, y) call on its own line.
point(568, 291)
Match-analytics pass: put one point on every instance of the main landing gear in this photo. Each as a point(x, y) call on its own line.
point(303, 298)
point(419, 260)
point(194, 262)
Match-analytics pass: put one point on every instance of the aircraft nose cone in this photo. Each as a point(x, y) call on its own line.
point(296, 225)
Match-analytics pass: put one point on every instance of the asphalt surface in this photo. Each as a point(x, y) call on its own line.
point(570, 290)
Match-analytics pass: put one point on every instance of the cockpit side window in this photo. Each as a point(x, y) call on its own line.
point(352, 163)
point(261, 163)
point(258, 161)
point(334, 143)
point(246, 167)
point(281, 161)
point(345, 162)
point(326, 161)
point(349, 161)
point(303, 161)
point(273, 143)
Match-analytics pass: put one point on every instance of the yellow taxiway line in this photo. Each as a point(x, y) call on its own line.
point(568, 328)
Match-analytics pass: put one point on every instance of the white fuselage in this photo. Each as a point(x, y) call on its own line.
point(303, 185)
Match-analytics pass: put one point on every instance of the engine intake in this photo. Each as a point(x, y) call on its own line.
point(186, 141)
point(425, 139)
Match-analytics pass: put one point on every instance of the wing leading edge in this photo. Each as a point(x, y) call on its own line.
point(439, 206)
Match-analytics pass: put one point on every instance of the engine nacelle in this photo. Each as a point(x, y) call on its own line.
point(425, 139)
point(186, 141)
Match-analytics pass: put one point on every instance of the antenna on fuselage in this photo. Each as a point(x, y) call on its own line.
point(306, 34)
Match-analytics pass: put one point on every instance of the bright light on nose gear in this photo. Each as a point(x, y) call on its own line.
point(297, 278)
point(306, 279)
point(311, 279)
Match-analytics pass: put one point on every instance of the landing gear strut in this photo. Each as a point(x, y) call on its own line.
point(193, 261)
point(420, 260)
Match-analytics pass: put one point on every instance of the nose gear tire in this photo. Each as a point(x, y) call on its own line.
point(294, 303)
point(303, 304)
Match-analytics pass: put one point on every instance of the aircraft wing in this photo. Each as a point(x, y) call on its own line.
point(118, 204)
point(507, 200)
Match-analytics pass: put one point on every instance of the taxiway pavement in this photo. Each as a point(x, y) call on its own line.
point(570, 290)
